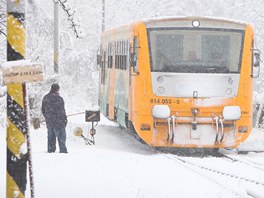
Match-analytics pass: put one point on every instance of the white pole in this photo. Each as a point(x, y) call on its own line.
point(56, 37)
point(103, 15)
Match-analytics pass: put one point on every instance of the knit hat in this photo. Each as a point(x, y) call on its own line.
point(54, 88)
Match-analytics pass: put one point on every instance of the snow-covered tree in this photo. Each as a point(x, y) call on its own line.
point(78, 70)
point(2, 31)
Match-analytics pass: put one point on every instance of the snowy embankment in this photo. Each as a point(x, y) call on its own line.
point(255, 142)
point(119, 166)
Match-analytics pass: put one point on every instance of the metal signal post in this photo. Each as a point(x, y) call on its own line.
point(103, 15)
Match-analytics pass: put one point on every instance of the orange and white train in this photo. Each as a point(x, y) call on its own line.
point(183, 82)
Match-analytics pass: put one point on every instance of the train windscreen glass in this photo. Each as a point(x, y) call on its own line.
point(195, 51)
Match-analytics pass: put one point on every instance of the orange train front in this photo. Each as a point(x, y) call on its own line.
point(180, 82)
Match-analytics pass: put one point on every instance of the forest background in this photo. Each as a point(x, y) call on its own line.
point(78, 70)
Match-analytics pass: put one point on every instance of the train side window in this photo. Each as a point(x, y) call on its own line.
point(118, 51)
point(99, 56)
point(110, 61)
point(123, 53)
point(99, 59)
point(126, 52)
point(134, 55)
point(115, 61)
point(103, 73)
point(109, 55)
point(125, 62)
point(120, 54)
point(116, 56)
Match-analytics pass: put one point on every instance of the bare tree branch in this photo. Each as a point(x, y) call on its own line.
point(2, 20)
point(1, 32)
point(70, 16)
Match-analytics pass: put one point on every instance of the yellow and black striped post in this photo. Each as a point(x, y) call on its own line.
point(16, 104)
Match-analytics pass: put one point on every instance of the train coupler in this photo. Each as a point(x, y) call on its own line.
point(195, 134)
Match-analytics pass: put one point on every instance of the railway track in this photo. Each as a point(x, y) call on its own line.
point(252, 187)
point(242, 160)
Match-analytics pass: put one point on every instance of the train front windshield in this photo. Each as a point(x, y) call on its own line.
point(195, 50)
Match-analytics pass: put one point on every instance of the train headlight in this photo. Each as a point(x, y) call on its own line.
point(196, 23)
point(161, 90)
point(232, 113)
point(161, 111)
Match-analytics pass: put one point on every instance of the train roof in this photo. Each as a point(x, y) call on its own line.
point(208, 18)
point(150, 22)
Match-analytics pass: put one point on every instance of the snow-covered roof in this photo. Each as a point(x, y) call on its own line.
point(226, 23)
point(15, 63)
point(209, 18)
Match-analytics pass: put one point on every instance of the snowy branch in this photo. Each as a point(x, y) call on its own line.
point(257, 13)
point(71, 17)
point(2, 20)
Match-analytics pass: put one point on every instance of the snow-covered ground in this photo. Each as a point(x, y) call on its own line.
point(120, 166)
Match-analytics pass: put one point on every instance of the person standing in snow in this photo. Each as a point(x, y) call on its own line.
point(56, 119)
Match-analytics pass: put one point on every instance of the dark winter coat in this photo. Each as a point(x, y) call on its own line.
point(54, 111)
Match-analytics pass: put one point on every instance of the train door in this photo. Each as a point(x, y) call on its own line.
point(102, 98)
point(133, 69)
point(111, 88)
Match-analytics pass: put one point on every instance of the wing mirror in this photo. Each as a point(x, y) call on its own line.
point(255, 63)
point(132, 60)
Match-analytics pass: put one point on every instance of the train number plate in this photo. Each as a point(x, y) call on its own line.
point(164, 101)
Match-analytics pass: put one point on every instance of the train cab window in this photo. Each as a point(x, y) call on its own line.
point(103, 72)
point(195, 51)
point(214, 49)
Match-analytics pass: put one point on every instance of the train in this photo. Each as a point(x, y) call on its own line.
point(183, 82)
